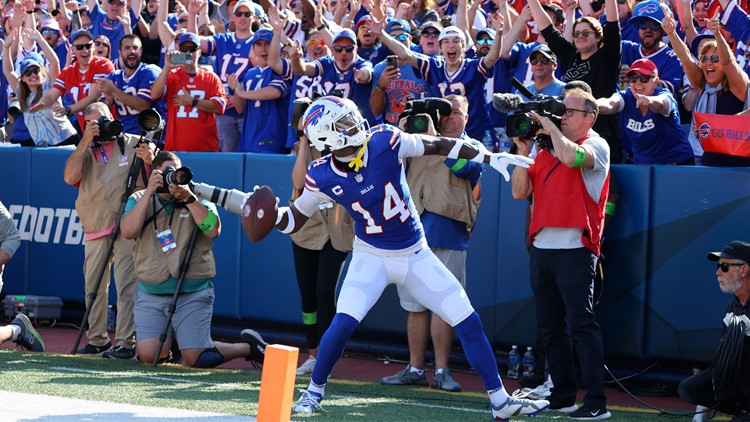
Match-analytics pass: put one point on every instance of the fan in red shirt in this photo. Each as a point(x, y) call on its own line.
point(194, 98)
point(77, 79)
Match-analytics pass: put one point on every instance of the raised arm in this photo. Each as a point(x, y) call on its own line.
point(165, 31)
point(512, 35)
point(9, 59)
point(738, 80)
point(685, 15)
point(277, 21)
point(693, 71)
point(540, 16)
point(404, 54)
point(494, 54)
point(299, 66)
point(53, 69)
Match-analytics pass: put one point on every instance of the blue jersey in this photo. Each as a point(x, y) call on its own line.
point(232, 56)
point(265, 121)
point(738, 23)
point(520, 66)
point(334, 79)
point(499, 83)
point(112, 29)
point(302, 86)
point(654, 138)
point(377, 196)
point(139, 85)
point(665, 59)
point(61, 51)
point(398, 91)
point(467, 81)
point(375, 54)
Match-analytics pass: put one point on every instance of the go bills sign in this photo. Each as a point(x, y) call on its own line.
point(725, 134)
point(47, 225)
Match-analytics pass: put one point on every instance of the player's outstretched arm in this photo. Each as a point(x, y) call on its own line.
point(289, 219)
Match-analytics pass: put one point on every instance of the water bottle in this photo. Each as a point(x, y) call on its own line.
point(529, 362)
point(487, 140)
point(111, 317)
point(503, 142)
point(514, 363)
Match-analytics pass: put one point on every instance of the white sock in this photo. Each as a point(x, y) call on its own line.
point(419, 371)
point(16, 331)
point(317, 389)
point(440, 370)
point(499, 396)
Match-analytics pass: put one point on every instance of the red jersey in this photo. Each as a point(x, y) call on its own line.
point(78, 83)
point(188, 128)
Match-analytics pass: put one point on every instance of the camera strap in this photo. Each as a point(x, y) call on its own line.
point(155, 213)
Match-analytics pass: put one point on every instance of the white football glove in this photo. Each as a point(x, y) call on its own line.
point(501, 160)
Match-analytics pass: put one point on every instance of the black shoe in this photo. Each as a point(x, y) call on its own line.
point(91, 350)
point(119, 352)
point(531, 381)
point(741, 416)
point(557, 405)
point(28, 338)
point(590, 413)
point(257, 346)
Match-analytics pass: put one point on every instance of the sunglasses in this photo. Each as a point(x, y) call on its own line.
point(245, 14)
point(181, 21)
point(569, 111)
point(100, 43)
point(29, 72)
point(431, 34)
point(582, 34)
point(643, 78)
point(188, 49)
point(316, 43)
point(622, 1)
point(484, 41)
point(543, 60)
point(339, 48)
point(714, 58)
point(400, 37)
point(49, 31)
point(80, 47)
point(725, 266)
point(649, 27)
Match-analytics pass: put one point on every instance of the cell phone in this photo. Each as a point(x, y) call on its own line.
point(392, 61)
point(183, 58)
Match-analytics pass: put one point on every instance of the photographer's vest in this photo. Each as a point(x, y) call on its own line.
point(561, 200)
point(434, 188)
point(152, 265)
point(102, 186)
point(333, 223)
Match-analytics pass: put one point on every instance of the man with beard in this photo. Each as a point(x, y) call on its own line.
point(130, 88)
point(109, 20)
point(733, 275)
point(50, 30)
point(647, 18)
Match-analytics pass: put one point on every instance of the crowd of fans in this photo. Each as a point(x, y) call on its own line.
point(224, 75)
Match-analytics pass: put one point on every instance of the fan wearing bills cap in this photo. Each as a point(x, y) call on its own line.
point(649, 118)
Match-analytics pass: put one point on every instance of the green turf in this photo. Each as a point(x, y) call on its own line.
point(237, 391)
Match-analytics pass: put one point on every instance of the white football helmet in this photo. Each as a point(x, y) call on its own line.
point(332, 123)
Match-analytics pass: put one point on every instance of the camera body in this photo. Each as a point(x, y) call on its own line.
point(520, 125)
point(108, 129)
point(173, 176)
point(181, 58)
point(432, 107)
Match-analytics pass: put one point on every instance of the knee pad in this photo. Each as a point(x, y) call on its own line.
point(209, 358)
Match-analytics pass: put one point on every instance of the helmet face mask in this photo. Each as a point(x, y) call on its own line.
point(333, 123)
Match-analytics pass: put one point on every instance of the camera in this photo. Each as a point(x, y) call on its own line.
point(231, 200)
point(173, 176)
point(432, 107)
point(108, 129)
point(149, 121)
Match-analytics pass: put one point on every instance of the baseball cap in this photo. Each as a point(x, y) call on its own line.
point(244, 3)
point(50, 23)
point(79, 33)
point(544, 50)
point(431, 24)
point(697, 41)
point(644, 67)
point(399, 24)
point(735, 249)
point(452, 31)
point(345, 33)
point(557, 10)
point(33, 59)
point(189, 37)
point(647, 10)
point(261, 34)
point(489, 31)
point(363, 20)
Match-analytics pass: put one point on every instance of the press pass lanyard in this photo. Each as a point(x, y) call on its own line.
point(104, 154)
point(166, 239)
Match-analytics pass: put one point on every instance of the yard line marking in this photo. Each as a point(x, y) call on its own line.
point(386, 400)
point(148, 377)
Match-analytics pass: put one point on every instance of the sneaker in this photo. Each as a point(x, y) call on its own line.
point(556, 405)
point(444, 381)
point(119, 352)
point(257, 345)
point(28, 338)
point(517, 407)
point(307, 367)
point(308, 402)
point(590, 413)
point(406, 377)
point(538, 393)
point(91, 350)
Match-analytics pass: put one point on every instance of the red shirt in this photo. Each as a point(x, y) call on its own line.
point(78, 83)
point(188, 128)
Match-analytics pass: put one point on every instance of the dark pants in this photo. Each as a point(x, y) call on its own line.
point(698, 389)
point(563, 285)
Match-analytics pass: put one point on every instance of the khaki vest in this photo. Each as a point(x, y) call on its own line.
point(154, 266)
point(102, 187)
point(435, 189)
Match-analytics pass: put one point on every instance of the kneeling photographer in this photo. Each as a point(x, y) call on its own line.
point(446, 194)
point(174, 267)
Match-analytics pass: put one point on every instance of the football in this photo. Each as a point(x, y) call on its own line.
point(259, 214)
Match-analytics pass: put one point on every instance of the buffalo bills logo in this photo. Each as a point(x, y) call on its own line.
point(315, 114)
point(703, 131)
point(648, 9)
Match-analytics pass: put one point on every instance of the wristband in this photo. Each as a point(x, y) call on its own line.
point(580, 157)
point(380, 89)
point(209, 222)
point(68, 111)
point(29, 12)
point(189, 200)
point(609, 209)
point(290, 220)
point(321, 27)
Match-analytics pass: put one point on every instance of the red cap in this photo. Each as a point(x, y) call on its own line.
point(644, 67)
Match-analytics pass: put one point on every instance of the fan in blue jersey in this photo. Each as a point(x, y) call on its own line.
point(110, 21)
point(261, 95)
point(737, 22)
point(130, 88)
point(452, 72)
point(370, 48)
point(232, 51)
point(365, 174)
point(647, 18)
point(649, 118)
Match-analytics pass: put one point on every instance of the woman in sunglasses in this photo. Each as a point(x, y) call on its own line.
point(719, 81)
point(102, 47)
point(45, 126)
point(649, 118)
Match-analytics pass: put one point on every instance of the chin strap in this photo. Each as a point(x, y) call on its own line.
point(356, 162)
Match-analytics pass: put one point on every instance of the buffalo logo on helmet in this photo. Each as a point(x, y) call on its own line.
point(315, 114)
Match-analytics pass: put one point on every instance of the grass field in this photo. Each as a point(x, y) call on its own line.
point(236, 391)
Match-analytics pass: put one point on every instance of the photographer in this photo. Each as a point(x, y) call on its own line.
point(96, 169)
point(446, 194)
point(565, 231)
point(161, 219)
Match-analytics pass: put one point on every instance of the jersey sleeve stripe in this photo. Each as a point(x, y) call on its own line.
point(395, 140)
point(60, 84)
point(310, 183)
